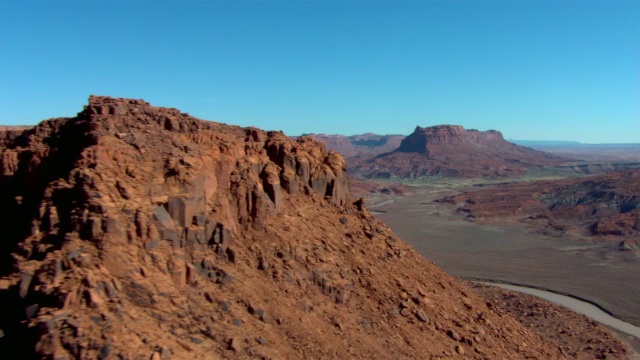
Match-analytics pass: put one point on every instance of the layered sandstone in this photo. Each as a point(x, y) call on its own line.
point(452, 151)
point(137, 232)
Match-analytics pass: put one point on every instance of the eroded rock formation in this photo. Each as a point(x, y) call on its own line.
point(452, 151)
point(137, 232)
point(604, 207)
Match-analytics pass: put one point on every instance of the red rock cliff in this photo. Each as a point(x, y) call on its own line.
point(138, 232)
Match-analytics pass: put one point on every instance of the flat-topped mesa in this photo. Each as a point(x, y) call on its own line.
point(453, 151)
point(425, 140)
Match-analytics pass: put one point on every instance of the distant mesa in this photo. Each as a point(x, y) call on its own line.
point(453, 151)
point(446, 138)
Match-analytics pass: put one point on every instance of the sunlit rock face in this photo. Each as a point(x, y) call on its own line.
point(138, 232)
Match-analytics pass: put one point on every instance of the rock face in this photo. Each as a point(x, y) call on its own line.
point(452, 151)
point(137, 232)
point(444, 138)
point(360, 146)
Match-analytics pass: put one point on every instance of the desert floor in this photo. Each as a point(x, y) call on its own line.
point(508, 253)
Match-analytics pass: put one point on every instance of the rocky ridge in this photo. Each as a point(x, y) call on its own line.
point(452, 151)
point(14, 128)
point(138, 232)
point(360, 146)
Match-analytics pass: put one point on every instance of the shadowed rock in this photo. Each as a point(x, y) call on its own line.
point(127, 226)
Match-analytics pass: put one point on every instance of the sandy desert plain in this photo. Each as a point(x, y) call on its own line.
point(510, 253)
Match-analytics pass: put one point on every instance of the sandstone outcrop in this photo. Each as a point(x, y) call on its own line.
point(452, 151)
point(138, 232)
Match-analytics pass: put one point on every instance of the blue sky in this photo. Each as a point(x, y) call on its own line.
point(536, 70)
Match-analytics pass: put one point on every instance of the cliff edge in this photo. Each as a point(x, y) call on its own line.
point(139, 232)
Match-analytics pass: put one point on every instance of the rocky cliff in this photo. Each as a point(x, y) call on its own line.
point(137, 232)
point(452, 151)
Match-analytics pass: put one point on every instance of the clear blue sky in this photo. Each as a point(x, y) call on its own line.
point(552, 70)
